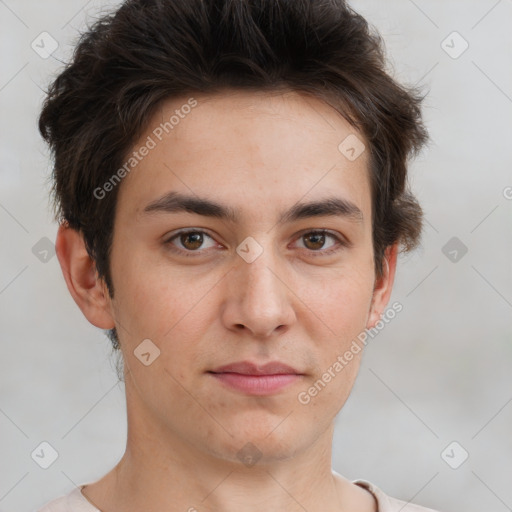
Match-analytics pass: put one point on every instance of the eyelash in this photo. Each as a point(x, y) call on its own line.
point(188, 253)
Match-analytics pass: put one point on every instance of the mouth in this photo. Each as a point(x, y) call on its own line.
point(253, 379)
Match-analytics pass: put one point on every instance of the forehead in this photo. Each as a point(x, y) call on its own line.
point(246, 147)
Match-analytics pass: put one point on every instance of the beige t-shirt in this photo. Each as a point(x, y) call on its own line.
point(75, 501)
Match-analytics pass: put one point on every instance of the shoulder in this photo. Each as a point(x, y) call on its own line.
point(59, 504)
point(71, 502)
point(388, 504)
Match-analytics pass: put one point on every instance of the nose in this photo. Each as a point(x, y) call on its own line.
point(258, 299)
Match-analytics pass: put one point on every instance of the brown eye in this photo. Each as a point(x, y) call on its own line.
point(192, 240)
point(315, 241)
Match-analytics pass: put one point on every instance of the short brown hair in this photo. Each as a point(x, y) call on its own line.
point(148, 51)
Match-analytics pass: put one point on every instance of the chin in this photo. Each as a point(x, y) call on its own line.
point(263, 440)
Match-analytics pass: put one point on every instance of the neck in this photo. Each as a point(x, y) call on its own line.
point(161, 470)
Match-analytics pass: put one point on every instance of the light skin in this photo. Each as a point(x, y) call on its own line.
point(259, 154)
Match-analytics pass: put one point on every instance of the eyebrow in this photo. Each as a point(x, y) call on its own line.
point(174, 202)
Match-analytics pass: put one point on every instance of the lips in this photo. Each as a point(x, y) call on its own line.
point(252, 379)
point(248, 368)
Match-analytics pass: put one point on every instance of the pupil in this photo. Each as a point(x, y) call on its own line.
point(320, 240)
point(197, 240)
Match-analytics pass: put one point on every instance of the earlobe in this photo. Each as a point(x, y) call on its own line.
point(383, 286)
point(79, 271)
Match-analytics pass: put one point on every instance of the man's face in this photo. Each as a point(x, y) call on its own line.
point(257, 288)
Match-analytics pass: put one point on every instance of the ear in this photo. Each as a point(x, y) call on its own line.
point(79, 270)
point(383, 286)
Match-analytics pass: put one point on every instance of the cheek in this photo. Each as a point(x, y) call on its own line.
point(341, 302)
point(152, 299)
point(340, 310)
point(172, 310)
point(326, 393)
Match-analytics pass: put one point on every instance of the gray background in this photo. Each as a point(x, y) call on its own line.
point(439, 372)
